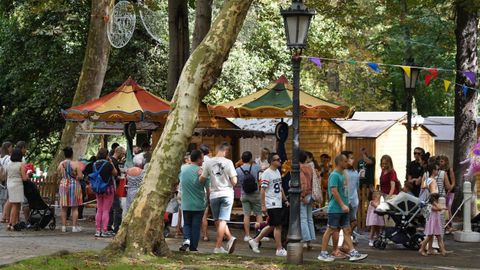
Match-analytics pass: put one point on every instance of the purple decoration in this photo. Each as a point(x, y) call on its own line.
point(316, 61)
point(471, 76)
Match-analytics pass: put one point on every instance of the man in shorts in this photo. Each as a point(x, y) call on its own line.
point(223, 178)
point(272, 196)
point(250, 201)
point(338, 212)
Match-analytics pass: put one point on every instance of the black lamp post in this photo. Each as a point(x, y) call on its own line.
point(297, 22)
point(410, 84)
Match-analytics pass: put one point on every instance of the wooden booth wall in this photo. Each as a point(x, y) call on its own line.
point(318, 136)
point(255, 145)
point(354, 144)
point(206, 121)
point(422, 138)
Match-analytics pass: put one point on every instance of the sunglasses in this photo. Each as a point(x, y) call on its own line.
point(417, 153)
point(276, 159)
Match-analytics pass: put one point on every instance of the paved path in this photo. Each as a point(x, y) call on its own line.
point(15, 246)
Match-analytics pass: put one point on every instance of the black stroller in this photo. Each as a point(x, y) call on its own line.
point(406, 212)
point(41, 214)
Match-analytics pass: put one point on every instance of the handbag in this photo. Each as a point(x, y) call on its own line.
point(172, 206)
point(316, 188)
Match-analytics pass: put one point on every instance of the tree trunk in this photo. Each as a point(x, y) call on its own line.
point(179, 43)
point(203, 20)
point(91, 78)
point(465, 105)
point(142, 229)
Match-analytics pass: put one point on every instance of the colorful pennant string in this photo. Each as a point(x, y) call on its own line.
point(432, 73)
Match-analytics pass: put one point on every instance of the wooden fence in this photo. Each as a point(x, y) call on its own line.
point(363, 206)
point(48, 187)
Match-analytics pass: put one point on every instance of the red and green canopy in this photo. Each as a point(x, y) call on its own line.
point(275, 101)
point(128, 103)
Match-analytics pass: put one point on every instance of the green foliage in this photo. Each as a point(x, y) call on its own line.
point(42, 45)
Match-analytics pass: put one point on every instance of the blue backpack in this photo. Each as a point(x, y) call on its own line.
point(97, 183)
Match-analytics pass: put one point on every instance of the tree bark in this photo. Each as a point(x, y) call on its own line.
point(142, 229)
point(203, 20)
point(91, 78)
point(465, 105)
point(179, 43)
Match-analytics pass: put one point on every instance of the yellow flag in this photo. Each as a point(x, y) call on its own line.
point(406, 69)
point(446, 84)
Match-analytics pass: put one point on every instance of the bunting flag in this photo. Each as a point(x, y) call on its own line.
point(374, 67)
point(471, 76)
point(316, 61)
point(432, 74)
point(407, 70)
point(465, 90)
point(446, 84)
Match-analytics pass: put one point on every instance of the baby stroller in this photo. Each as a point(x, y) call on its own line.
point(406, 212)
point(41, 214)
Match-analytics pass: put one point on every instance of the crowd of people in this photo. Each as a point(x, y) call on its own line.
point(206, 186)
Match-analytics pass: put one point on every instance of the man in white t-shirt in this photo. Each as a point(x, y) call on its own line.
point(272, 196)
point(223, 178)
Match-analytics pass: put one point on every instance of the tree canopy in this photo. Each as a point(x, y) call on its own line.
point(42, 45)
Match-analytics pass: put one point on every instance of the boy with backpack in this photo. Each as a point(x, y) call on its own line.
point(250, 198)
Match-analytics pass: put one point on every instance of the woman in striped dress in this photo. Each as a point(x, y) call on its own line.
point(70, 191)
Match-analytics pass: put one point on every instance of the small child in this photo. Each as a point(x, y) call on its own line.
point(375, 221)
point(433, 226)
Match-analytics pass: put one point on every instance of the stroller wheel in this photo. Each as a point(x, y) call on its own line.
point(52, 226)
point(382, 244)
point(416, 241)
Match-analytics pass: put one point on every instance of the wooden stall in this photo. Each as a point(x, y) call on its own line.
point(318, 136)
point(385, 133)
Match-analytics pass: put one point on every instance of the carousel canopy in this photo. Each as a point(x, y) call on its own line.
point(128, 103)
point(275, 101)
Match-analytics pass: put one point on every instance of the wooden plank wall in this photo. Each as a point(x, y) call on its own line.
point(422, 138)
point(354, 144)
point(444, 148)
point(393, 142)
point(318, 137)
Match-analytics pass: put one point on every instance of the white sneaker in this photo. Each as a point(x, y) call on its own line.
point(370, 243)
point(247, 238)
point(76, 229)
point(265, 239)
point(220, 250)
point(254, 245)
point(231, 245)
point(325, 257)
point(281, 253)
point(98, 234)
point(64, 228)
point(356, 256)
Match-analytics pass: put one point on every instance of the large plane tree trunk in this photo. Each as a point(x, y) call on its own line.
point(142, 229)
point(90, 83)
point(465, 105)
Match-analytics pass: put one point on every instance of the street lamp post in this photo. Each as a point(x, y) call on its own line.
point(297, 22)
point(410, 83)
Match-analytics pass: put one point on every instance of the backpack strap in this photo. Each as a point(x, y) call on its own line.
point(101, 167)
point(250, 170)
point(243, 171)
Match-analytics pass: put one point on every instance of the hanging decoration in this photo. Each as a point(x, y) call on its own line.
point(121, 24)
point(316, 61)
point(465, 90)
point(154, 22)
point(446, 84)
point(374, 67)
point(431, 73)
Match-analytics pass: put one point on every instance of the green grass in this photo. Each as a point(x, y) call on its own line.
point(90, 260)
